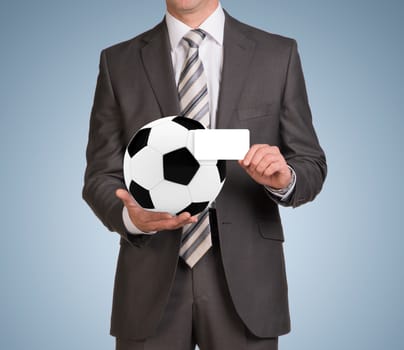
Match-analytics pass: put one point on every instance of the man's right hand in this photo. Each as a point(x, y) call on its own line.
point(148, 221)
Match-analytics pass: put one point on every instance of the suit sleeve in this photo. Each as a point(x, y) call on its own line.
point(298, 140)
point(105, 150)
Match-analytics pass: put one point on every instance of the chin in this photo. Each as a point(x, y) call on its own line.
point(187, 5)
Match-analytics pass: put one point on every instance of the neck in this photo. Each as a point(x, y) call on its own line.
point(194, 17)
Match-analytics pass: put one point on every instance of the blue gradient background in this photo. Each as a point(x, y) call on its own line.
point(344, 251)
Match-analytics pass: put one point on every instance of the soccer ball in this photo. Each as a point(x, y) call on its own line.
point(161, 172)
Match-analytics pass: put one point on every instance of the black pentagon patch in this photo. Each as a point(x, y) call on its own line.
point(195, 208)
point(221, 166)
point(188, 123)
point(141, 195)
point(138, 141)
point(180, 166)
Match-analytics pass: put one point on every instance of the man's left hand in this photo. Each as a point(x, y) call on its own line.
point(267, 166)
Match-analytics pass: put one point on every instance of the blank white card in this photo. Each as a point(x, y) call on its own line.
point(231, 144)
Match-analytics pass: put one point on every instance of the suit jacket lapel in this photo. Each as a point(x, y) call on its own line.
point(238, 52)
point(156, 58)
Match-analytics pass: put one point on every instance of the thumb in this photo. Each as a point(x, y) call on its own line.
point(125, 197)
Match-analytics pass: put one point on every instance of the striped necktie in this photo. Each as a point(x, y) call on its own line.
point(194, 103)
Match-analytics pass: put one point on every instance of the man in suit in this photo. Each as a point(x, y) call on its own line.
point(234, 295)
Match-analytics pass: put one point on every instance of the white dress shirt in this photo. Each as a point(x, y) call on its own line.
point(211, 55)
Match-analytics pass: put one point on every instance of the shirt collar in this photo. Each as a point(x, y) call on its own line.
point(213, 26)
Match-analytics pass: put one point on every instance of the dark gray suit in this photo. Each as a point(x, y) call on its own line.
point(262, 89)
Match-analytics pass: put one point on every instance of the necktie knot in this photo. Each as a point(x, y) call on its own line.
point(194, 37)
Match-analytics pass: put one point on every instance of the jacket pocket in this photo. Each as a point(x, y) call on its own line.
point(259, 111)
point(271, 230)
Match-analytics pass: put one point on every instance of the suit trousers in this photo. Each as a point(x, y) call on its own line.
point(200, 312)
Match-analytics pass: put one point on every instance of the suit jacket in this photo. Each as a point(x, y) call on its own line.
point(262, 89)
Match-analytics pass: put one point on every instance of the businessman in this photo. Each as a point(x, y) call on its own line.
point(217, 279)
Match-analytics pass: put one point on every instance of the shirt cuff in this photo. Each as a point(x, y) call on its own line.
point(284, 193)
point(130, 226)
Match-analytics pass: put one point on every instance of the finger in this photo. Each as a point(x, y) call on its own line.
point(170, 224)
point(181, 220)
point(261, 152)
point(159, 225)
point(148, 215)
point(126, 198)
point(250, 154)
point(267, 160)
point(264, 163)
point(273, 168)
point(258, 157)
point(182, 217)
point(168, 218)
point(194, 218)
point(274, 150)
